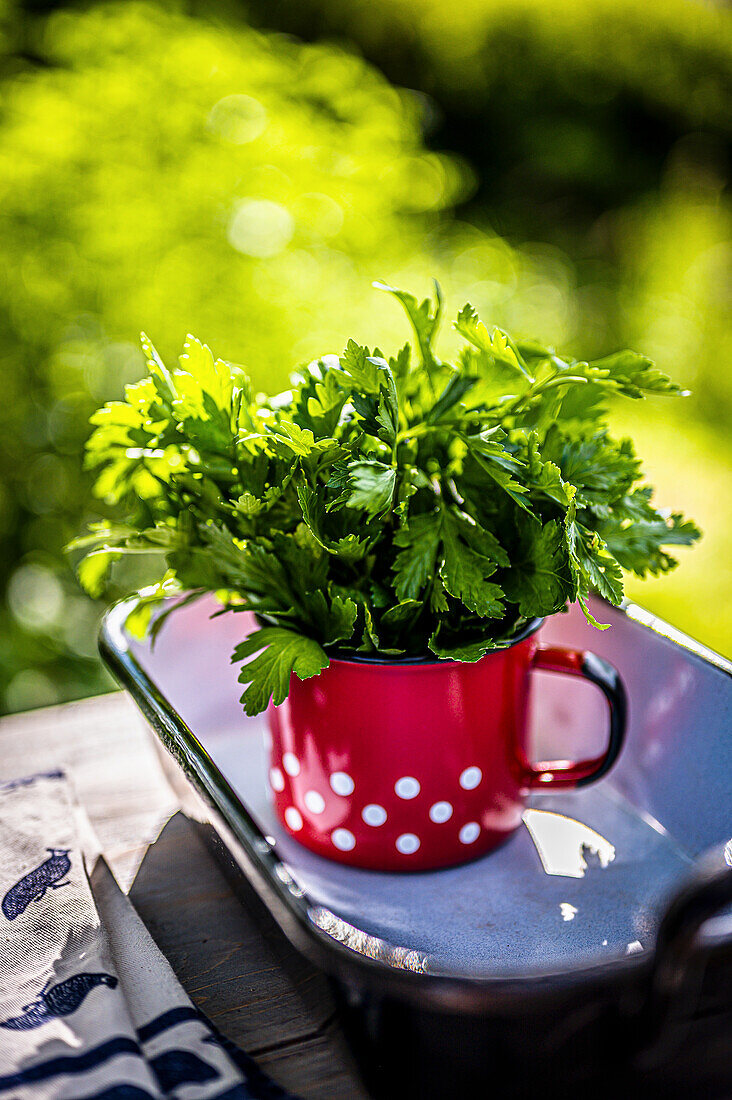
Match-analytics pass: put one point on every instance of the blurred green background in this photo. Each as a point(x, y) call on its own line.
point(244, 170)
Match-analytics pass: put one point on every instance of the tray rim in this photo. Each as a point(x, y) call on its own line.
point(257, 859)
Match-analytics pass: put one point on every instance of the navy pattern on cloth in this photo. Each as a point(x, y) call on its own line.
point(33, 886)
point(57, 1000)
point(89, 1008)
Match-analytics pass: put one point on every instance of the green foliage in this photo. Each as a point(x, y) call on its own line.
point(578, 140)
point(552, 100)
point(441, 513)
point(158, 171)
point(676, 254)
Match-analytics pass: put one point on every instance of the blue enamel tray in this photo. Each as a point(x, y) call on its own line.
point(599, 897)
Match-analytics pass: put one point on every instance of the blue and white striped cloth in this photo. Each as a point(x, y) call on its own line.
point(89, 1008)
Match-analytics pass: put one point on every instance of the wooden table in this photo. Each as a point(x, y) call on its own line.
point(230, 958)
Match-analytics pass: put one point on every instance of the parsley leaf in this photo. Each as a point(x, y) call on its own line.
point(372, 486)
point(414, 564)
point(539, 579)
point(425, 319)
point(283, 652)
point(465, 571)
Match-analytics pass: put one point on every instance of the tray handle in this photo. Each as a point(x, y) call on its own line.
point(678, 962)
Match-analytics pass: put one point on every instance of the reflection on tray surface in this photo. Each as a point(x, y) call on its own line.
point(402, 958)
point(562, 843)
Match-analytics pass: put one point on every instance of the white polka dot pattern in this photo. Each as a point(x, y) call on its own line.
point(469, 833)
point(290, 763)
point(407, 787)
point(293, 818)
point(341, 783)
point(407, 844)
point(314, 802)
point(470, 778)
point(373, 814)
point(343, 839)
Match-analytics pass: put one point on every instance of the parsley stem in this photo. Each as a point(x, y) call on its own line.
point(416, 430)
point(560, 380)
point(422, 427)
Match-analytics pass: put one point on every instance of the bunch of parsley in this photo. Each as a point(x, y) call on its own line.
point(400, 506)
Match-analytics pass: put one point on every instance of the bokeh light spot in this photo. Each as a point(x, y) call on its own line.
point(260, 228)
point(238, 118)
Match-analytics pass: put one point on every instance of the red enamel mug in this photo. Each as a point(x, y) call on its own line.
point(412, 764)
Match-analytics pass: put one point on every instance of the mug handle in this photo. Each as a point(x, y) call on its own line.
point(577, 773)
